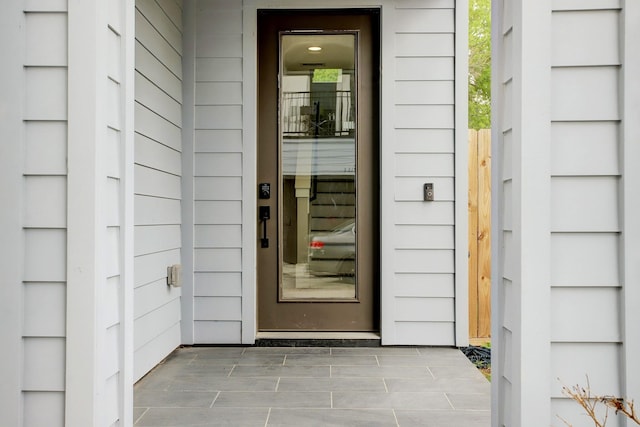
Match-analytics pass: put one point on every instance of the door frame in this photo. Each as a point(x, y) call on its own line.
point(250, 142)
point(360, 312)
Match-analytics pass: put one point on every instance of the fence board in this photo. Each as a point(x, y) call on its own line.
point(480, 233)
point(473, 233)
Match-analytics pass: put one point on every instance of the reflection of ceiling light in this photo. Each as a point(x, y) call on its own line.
point(314, 48)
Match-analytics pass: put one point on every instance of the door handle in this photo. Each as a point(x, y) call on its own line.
point(265, 215)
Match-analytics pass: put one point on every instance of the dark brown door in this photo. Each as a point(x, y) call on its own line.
point(318, 162)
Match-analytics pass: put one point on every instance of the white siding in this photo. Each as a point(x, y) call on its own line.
point(585, 236)
point(567, 306)
point(419, 293)
point(217, 171)
point(70, 250)
point(422, 286)
point(158, 124)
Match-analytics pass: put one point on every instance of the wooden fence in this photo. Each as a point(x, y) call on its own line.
point(479, 234)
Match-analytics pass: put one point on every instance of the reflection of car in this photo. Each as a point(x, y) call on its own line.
point(334, 253)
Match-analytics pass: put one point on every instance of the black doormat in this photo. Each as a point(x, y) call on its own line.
point(311, 342)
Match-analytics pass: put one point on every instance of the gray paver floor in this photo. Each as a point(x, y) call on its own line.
point(313, 386)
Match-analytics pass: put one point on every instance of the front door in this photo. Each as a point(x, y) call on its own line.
point(318, 162)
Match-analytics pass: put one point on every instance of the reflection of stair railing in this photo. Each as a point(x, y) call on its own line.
point(317, 113)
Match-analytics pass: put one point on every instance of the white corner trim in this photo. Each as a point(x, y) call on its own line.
point(630, 208)
point(249, 173)
point(187, 302)
point(12, 76)
point(461, 175)
point(387, 175)
point(497, 310)
point(127, 215)
point(86, 232)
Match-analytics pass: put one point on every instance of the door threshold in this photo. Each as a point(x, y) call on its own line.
point(317, 339)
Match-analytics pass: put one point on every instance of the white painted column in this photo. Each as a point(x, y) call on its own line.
point(532, 210)
point(12, 45)
point(630, 208)
point(87, 96)
point(528, 401)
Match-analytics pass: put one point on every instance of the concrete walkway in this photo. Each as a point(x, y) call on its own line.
point(314, 386)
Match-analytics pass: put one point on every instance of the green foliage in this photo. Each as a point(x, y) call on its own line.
point(326, 75)
point(479, 64)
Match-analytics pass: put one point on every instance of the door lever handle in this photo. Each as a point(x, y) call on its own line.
point(265, 215)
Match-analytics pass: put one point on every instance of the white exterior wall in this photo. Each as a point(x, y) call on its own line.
point(419, 238)
point(565, 132)
point(34, 223)
point(217, 173)
point(66, 221)
point(422, 273)
point(158, 170)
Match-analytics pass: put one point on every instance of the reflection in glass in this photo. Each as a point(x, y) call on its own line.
point(318, 165)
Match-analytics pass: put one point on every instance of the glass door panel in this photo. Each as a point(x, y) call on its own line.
point(317, 174)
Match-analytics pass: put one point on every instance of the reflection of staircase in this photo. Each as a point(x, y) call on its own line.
point(334, 202)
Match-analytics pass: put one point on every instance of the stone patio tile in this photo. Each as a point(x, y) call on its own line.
point(402, 361)
point(462, 385)
point(332, 418)
point(472, 384)
point(287, 350)
point(331, 384)
point(281, 371)
point(470, 401)
point(204, 417)
point(365, 400)
point(138, 412)
point(374, 351)
point(205, 383)
point(314, 360)
point(154, 381)
point(174, 399)
point(261, 359)
point(455, 372)
point(443, 418)
point(380, 372)
point(273, 399)
point(217, 352)
point(176, 370)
